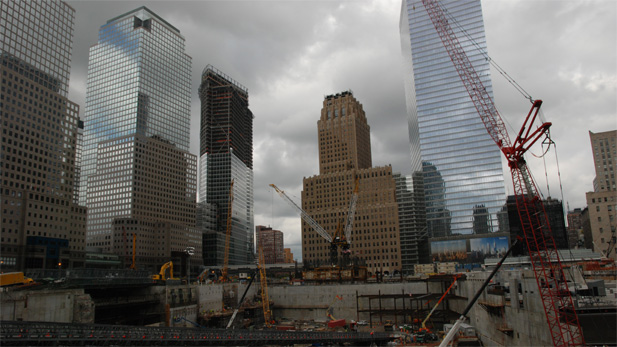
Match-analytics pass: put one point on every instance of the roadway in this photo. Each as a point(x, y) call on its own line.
point(19, 333)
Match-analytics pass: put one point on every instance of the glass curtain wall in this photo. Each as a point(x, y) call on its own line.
point(449, 143)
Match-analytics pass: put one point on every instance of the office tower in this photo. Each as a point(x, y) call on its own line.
point(42, 227)
point(412, 221)
point(226, 154)
point(556, 219)
point(602, 201)
point(271, 242)
point(138, 177)
point(344, 156)
point(449, 143)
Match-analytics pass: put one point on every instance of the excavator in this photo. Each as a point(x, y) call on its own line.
point(160, 277)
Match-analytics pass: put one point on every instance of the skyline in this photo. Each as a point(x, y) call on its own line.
point(564, 53)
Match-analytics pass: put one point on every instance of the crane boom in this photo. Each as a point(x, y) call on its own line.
point(423, 325)
point(564, 327)
point(305, 216)
point(352, 211)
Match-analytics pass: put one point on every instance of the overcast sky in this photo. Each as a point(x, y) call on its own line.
point(290, 54)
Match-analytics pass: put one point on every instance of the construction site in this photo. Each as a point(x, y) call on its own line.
point(548, 297)
point(413, 311)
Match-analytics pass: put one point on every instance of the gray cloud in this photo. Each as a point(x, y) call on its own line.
point(289, 54)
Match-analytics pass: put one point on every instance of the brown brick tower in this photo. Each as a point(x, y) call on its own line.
point(345, 154)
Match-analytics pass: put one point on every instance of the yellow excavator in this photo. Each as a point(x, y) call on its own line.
point(160, 277)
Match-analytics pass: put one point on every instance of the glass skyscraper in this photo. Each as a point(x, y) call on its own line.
point(137, 175)
point(461, 165)
point(226, 153)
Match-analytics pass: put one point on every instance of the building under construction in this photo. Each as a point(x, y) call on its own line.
point(226, 153)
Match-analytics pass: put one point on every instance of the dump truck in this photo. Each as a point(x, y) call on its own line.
point(14, 279)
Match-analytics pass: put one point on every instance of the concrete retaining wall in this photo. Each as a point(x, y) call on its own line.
point(310, 302)
point(523, 313)
point(64, 306)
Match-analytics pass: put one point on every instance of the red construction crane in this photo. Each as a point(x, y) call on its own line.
point(556, 298)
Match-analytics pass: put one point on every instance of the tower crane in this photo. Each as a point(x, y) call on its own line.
point(343, 239)
point(342, 235)
point(224, 271)
point(265, 299)
point(564, 326)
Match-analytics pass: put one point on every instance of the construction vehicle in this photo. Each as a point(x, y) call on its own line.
point(265, 299)
point(330, 309)
point(224, 277)
point(342, 235)
point(233, 316)
point(14, 279)
point(207, 274)
point(161, 278)
point(423, 328)
point(563, 324)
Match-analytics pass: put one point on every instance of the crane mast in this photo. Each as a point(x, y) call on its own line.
point(265, 298)
point(352, 211)
point(564, 326)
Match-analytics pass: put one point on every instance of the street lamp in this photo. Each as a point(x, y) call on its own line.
point(190, 251)
point(59, 269)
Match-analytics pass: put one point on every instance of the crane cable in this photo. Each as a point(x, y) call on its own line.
point(499, 69)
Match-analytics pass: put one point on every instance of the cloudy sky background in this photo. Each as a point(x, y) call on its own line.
point(290, 54)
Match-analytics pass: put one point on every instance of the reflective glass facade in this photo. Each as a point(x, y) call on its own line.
point(40, 33)
point(226, 153)
point(137, 173)
point(138, 82)
point(463, 176)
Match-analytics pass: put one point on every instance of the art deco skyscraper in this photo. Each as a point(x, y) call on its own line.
point(41, 224)
point(449, 143)
point(226, 153)
point(138, 176)
point(344, 155)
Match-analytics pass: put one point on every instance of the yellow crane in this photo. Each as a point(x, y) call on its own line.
point(224, 277)
point(265, 299)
